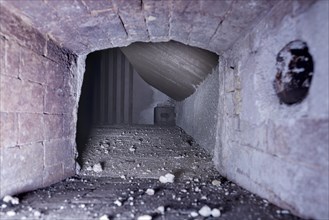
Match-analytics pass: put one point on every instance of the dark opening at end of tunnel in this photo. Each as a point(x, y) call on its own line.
point(138, 84)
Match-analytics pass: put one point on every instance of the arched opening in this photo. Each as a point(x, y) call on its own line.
point(115, 98)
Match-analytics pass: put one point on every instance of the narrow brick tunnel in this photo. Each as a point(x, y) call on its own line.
point(170, 109)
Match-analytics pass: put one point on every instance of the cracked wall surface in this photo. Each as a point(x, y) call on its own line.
point(276, 151)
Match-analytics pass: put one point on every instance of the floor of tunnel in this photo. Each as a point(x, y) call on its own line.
point(120, 178)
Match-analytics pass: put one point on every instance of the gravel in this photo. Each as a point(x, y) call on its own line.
point(117, 191)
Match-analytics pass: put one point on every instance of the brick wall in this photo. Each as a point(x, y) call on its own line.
point(278, 151)
point(37, 103)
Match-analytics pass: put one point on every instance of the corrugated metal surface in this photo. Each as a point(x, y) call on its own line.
point(171, 67)
point(113, 92)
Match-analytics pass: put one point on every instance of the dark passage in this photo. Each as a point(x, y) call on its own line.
point(112, 94)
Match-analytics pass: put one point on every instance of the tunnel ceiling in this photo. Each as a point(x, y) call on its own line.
point(173, 68)
point(84, 26)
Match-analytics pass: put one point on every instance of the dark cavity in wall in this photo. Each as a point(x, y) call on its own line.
point(294, 72)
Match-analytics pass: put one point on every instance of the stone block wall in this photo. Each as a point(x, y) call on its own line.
point(278, 151)
point(37, 105)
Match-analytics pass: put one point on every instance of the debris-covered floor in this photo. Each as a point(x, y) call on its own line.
point(142, 172)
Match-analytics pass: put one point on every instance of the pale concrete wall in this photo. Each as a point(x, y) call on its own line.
point(197, 114)
point(278, 151)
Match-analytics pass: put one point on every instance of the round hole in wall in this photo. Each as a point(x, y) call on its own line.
point(294, 72)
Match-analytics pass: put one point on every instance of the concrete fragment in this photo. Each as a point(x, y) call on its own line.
point(11, 213)
point(194, 214)
point(97, 168)
point(215, 213)
point(118, 203)
point(37, 214)
point(144, 217)
point(10, 199)
point(104, 217)
point(216, 182)
point(161, 210)
point(205, 211)
point(168, 178)
point(150, 192)
point(132, 149)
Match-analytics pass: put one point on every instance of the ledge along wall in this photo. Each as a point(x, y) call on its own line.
point(277, 151)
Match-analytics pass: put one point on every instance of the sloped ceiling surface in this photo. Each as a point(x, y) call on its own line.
point(84, 26)
point(171, 67)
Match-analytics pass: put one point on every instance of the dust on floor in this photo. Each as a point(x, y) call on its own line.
point(123, 176)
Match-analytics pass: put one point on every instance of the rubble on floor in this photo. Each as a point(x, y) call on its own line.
point(108, 186)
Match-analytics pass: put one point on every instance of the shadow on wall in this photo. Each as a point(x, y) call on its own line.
point(85, 112)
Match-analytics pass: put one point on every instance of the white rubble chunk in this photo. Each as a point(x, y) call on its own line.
point(37, 214)
point(215, 213)
point(118, 203)
point(97, 168)
point(104, 217)
point(216, 183)
point(161, 209)
point(10, 199)
point(168, 178)
point(194, 214)
point(163, 179)
point(11, 213)
point(150, 192)
point(205, 211)
point(282, 212)
point(144, 217)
